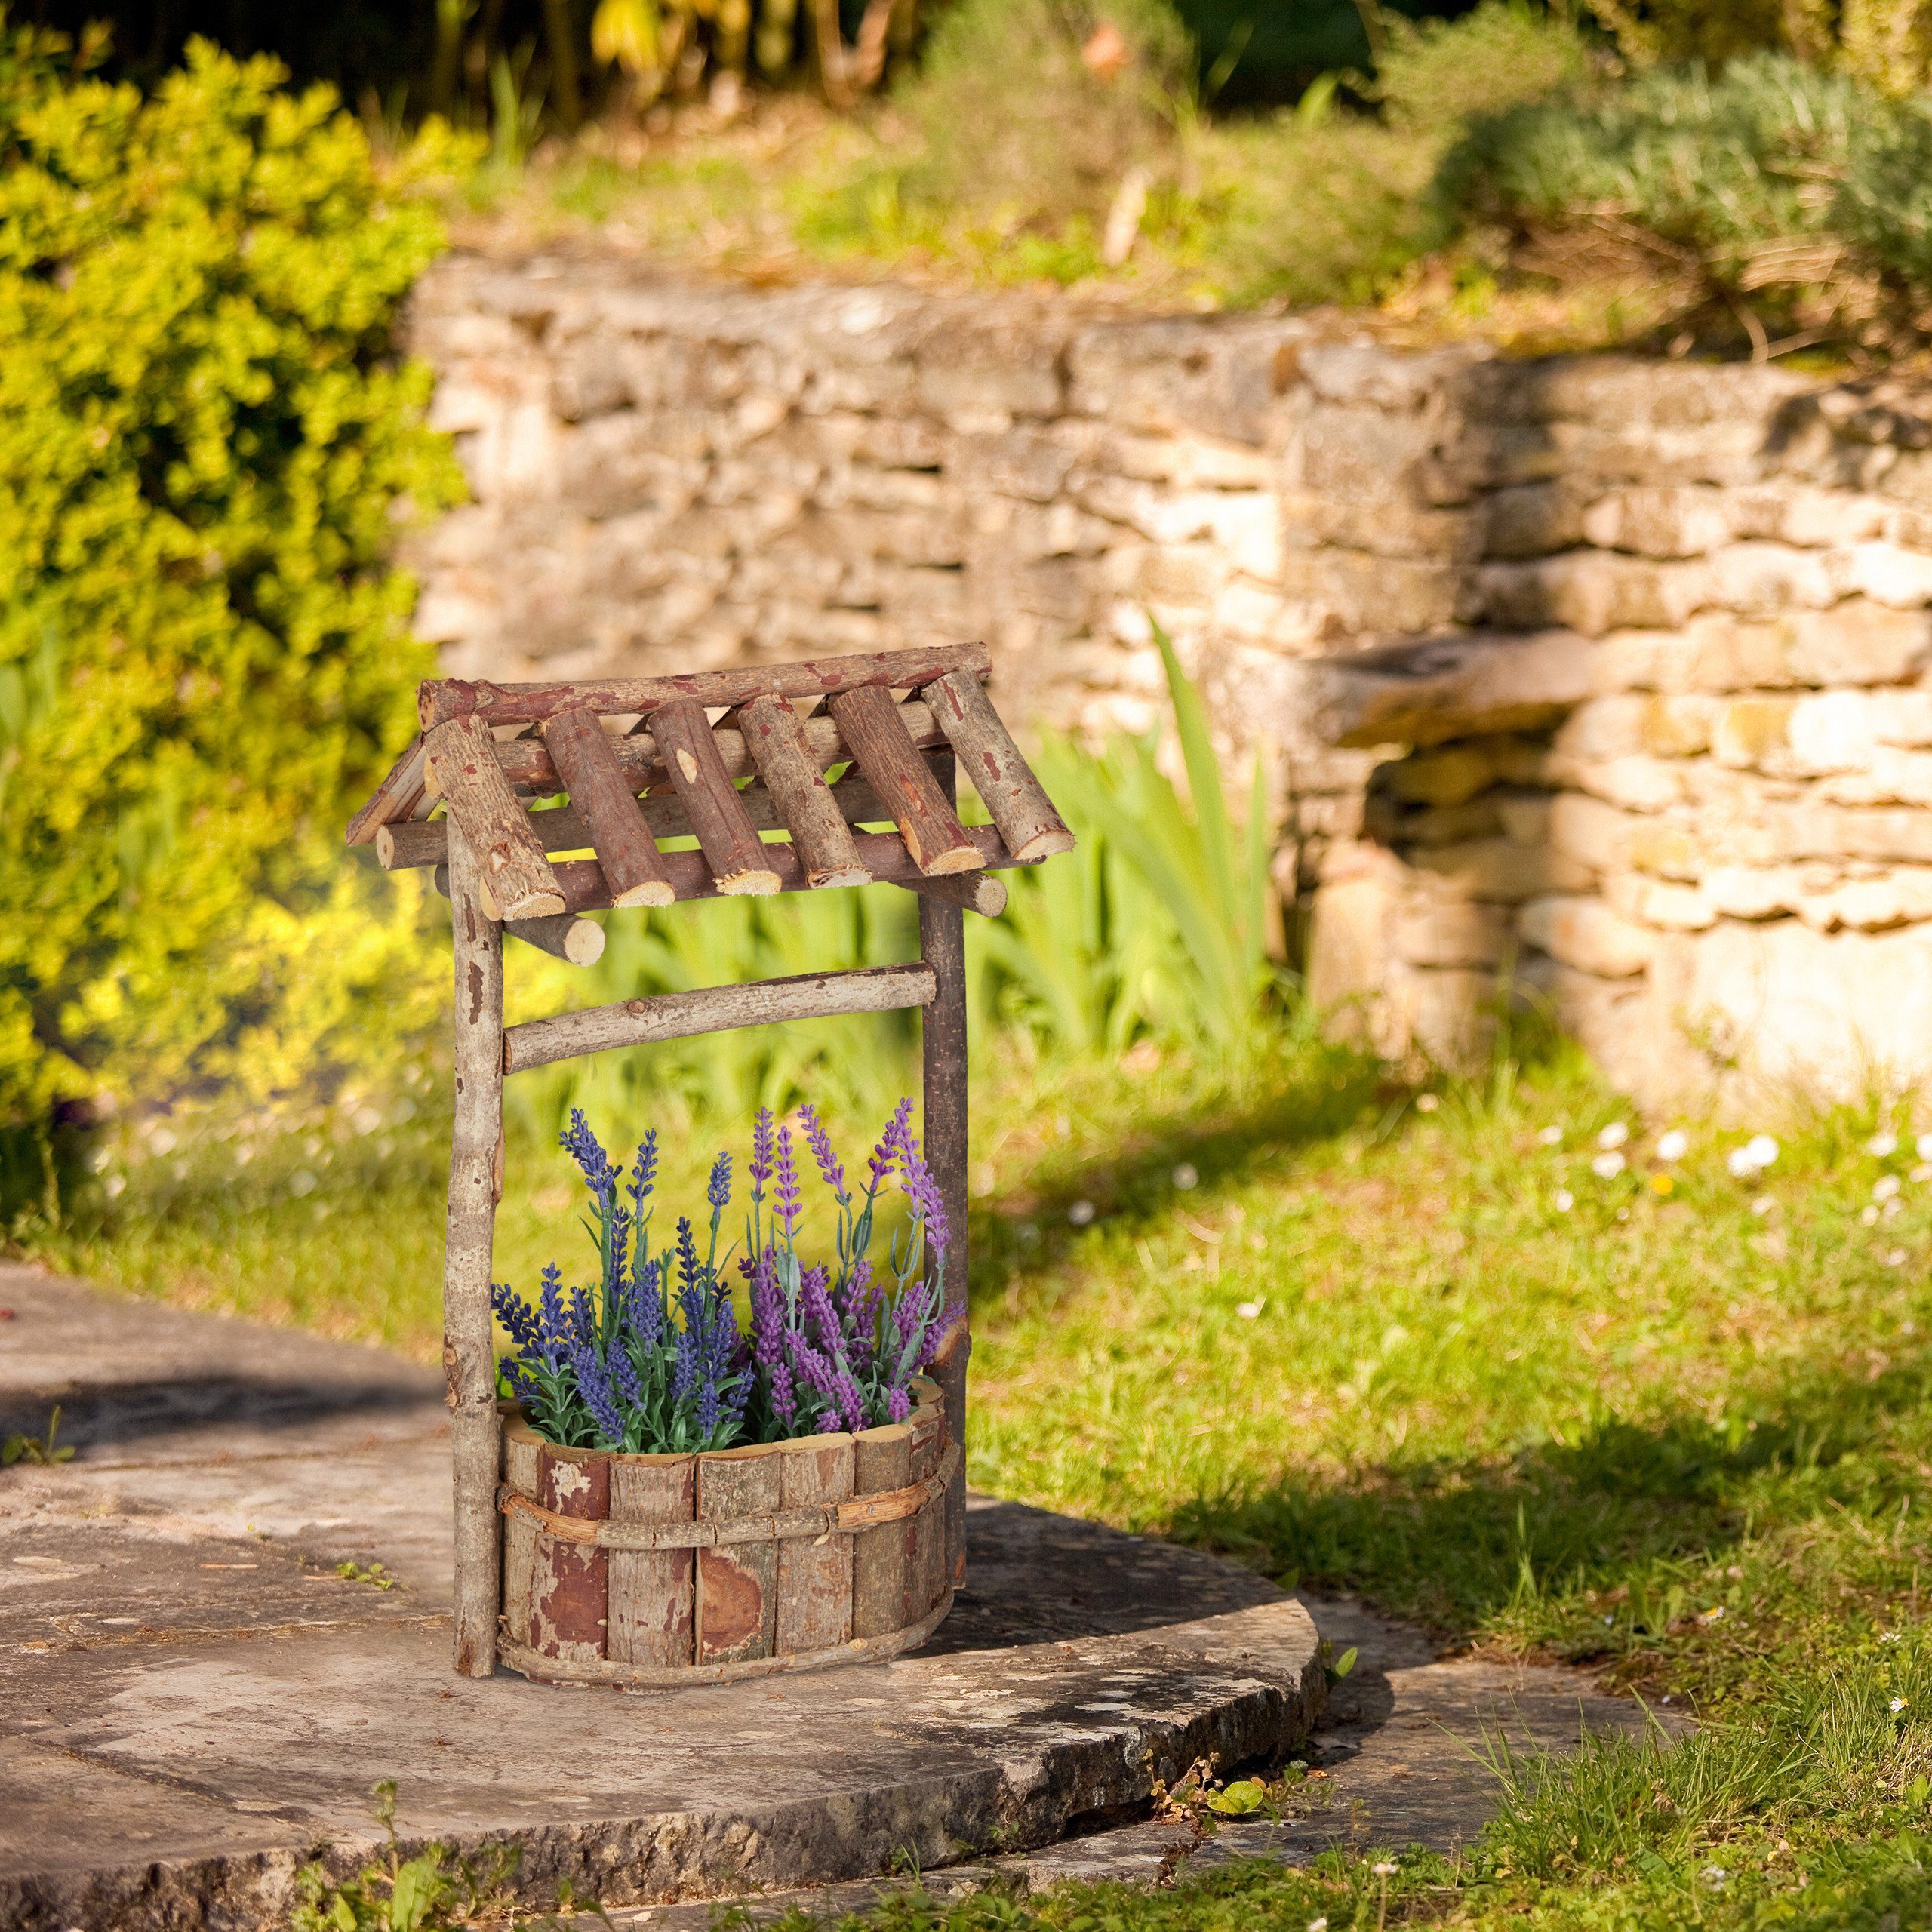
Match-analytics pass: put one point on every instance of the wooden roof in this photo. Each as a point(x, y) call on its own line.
point(641, 759)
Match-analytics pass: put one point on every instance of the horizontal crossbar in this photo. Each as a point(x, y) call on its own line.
point(637, 1022)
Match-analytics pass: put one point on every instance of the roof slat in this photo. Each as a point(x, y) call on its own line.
point(724, 831)
point(510, 859)
point(995, 768)
point(877, 736)
point(775, 737)
point(519, 704)
point(602, 797)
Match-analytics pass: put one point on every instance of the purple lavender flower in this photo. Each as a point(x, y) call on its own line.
point(761, 1166)
point(644, 1305)
point(787, 1197)
point(898, 1402)
point(550, 1306)
point(922, 1190)
point(583, 1147)
point(717, 1189)
point(831, 1170)
point(885, 1155)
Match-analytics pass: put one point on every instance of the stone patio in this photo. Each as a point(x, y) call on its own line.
point(195, 1696)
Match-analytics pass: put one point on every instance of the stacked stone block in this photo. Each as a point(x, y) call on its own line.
point(1596, 676)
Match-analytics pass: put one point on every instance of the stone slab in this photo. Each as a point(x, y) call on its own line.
point(193, 1699)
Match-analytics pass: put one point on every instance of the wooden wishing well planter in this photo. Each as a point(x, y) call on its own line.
point(585, 1566)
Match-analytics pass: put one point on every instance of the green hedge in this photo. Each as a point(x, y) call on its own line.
point(206, 444)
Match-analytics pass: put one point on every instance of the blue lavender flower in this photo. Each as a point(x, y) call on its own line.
point(593, 1382)
point(645, 1175)
point(583, 1147)
point(518, 1318)
point(717, 1189)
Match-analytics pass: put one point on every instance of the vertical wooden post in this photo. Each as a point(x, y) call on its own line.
point(469, 1368)
point(942, 1030)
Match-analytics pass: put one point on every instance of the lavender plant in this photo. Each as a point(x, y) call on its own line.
point(651, 1359)
point(833, 1347)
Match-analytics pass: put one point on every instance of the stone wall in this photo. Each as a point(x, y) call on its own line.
point(1598, 674)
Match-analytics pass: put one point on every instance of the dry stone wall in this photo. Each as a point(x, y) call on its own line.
point(1596, 676)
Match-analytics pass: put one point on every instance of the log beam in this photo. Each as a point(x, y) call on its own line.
point(443, 698)
point(723, 829)
point(469, 1362)
point(510, 859)
point(795, 785)
point(601, 797)
point(870, 723)
point(996, 769)
point(637, 1022)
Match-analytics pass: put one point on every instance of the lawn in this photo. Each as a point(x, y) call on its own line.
point(1467, 1349)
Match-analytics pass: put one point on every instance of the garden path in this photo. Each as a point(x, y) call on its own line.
point(227, 1618)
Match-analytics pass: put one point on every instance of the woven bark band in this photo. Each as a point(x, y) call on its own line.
point(861, 1512)
point(644, 1677)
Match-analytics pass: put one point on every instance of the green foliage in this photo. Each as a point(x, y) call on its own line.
point(41, 1450)
point(1036, 109)
point(1796, 191)
point(1327, 204)
point(434, 1891)
point(205, 445)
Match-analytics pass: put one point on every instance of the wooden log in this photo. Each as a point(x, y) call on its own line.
point(582, 882)
point(971, 892)
point(637, 1022)
point(943, 1099)
point(469, 1355)
point(561, 828)
point(399, 795)
point(737, 1586)
point(571, 1587)
point(873, 731)
point(795, 785)
point(601, 795)
point(814, 1573)
point(724, 831)
point(995, 768)
point(443, 698)
point(520, 1447)
point(922, 1460)
point(653, 1600)
point(510, 857)
point(563, 936)
point(881, 1459)
point(527, 763)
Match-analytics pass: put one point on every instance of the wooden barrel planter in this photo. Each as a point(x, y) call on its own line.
point(648, 1572)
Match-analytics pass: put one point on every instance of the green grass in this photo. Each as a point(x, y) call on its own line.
point(1348, 1332)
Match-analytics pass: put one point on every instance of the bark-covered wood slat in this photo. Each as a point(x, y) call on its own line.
point(561, 828)
point(652, 1601)
point(509, 856)
point(885, 858)
point(996, 770)
point(737, 1587)
point(520, 704)
point(678, 1016)
point(815, 1573)
point(601, 797)
point(881, 1458)
point(570, 1593)
point(971, 892)
point(527, 763)
point(795, 784)
point(469, 1365)
point(724, 831)
point(876, 735)
point(564, 936)
point(398, 796)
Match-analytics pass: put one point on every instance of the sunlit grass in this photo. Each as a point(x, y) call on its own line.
point(1667, 1421)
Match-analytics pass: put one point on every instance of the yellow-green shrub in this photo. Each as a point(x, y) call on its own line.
point(206, 443)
